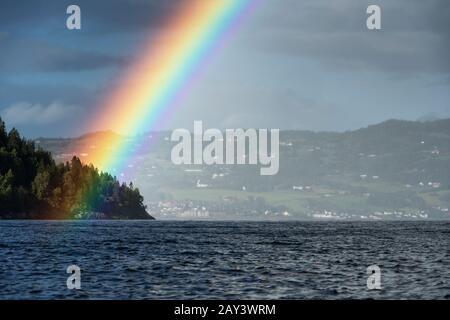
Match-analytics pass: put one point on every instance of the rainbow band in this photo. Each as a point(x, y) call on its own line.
point(164, 68)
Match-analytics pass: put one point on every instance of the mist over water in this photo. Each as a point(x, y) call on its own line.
point(223, 260)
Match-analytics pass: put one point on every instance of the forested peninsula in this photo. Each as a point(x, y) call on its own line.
point(34, 186)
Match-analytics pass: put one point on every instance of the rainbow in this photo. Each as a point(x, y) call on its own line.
point(155, 81)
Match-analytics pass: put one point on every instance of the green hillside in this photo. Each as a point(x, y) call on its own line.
point(393, 170)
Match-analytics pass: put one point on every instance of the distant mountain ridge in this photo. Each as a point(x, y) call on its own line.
point(395, 166)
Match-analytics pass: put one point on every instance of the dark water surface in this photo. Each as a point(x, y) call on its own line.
point(225, 260)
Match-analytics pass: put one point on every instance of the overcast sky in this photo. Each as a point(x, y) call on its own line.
point(291, 64)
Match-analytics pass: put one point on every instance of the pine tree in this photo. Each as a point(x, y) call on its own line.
point(3, 134)
point(33, 185)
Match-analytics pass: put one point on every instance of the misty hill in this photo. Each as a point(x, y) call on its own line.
point(33, 186)
point(395, 169)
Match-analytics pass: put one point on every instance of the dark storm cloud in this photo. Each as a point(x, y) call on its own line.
point(45, 109)
point(27, 55)
point(46, 93)
point(415, 35)
point(127, 16)
point(304, 64)
point(33, 35)
point(99, 16)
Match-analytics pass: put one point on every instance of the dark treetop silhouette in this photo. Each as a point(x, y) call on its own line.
point(33, 186)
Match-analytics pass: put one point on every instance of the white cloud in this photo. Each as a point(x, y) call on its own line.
point(28, 113)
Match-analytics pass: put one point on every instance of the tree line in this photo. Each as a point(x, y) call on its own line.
point(34, 186)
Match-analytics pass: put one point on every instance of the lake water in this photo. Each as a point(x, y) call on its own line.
point(224, 260)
